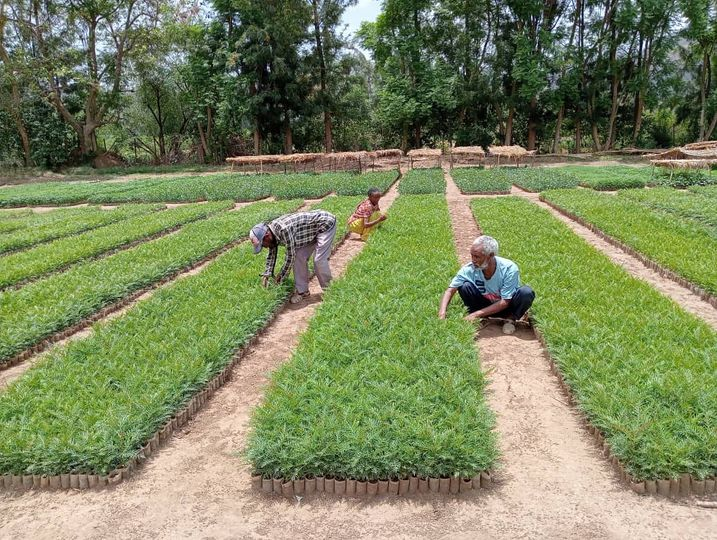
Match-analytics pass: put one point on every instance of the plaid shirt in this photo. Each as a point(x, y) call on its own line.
point(296, 231)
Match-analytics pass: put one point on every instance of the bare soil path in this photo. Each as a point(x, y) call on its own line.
point(196, 487)
point(688, 300)
point(551, 471)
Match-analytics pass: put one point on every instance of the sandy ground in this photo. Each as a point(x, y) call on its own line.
point(553, 483)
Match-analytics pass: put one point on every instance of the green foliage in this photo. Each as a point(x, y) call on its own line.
point(422, 181)
point(610, 178)
point(40, 228)
point(645, 373)
point(474, 180)
point(539, 179)
point(89, 407)
point(683, 247)
point(701, 210)
point(402, 392)
point(45, 258)
point(49, 305)
point(216, 187)
point(683, 178)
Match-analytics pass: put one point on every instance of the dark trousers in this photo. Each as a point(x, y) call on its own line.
point(519, 304)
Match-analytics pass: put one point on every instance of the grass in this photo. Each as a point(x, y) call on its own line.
point(539, 179)
point(401, 393)
point(643, 370)
point(700, 210)
point(687, 249)
point(65, 222)
point(610, 178)
point(88, 407)
point(57, 302)
point(475, 180)
point(222, 186)
point(24, 265)
point(422, 181)
point(144, 169)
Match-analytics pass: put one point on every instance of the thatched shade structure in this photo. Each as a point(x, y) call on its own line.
point(468, 151)
point(300, 158)
point(700, 155)
point(389, 153)
point(684, 163)
point(425, 153)
point(513, 153)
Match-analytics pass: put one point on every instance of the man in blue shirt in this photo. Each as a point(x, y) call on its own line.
point(489, 285)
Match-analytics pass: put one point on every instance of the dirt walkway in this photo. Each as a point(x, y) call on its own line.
point(573, 494)
point(551, 470)
point(688, 300)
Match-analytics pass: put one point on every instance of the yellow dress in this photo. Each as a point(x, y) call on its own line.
point(357, 226)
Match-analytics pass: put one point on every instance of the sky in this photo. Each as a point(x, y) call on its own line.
point(364, 10)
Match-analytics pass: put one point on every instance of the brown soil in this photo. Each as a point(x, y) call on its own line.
point(554, 484)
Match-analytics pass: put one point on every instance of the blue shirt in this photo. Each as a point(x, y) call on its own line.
point(502, 285)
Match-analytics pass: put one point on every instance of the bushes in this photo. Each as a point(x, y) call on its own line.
point(45, 258)
point(422, 181)
point(401, 392)
point(64, 222)
point(643, 370)
point(215, 187)
point(474, 180)
point(535, 179)
point(686, 249)
point(49, 305)
point(89, 407)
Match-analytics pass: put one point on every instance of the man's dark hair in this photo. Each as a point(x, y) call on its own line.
point(374, 191)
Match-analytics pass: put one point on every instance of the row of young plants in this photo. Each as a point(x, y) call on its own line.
point(476, 180)
point(401, 393)
point(46, 306)
point(705, 191)
point(48, 226)
point(687, 249)
point(642, 370)
point(24, 265)
point(225, 186)
point(608, 178)
point(90, 406)
point(701, 210)
point(422, 181)
point(537, 179)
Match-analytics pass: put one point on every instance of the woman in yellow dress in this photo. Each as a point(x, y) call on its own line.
point(367, 215)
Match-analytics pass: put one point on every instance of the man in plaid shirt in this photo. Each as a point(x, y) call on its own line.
point(303, 233)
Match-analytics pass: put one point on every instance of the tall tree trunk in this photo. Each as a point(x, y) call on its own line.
point(708, 133)
point(257, 138)
point(328, 137)
point(532, 124)
point(703, 93)
point(578, 132)
point(511, 114)
point(417, 135)
point(288, 138)
point(16, 109)
point(404, 138)
point(203, 147)
point(558, 127)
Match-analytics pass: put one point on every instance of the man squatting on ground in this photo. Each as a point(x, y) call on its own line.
point(303, 233)
point(489, 286)
point(367, 215)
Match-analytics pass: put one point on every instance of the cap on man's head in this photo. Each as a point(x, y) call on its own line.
point(256, 235)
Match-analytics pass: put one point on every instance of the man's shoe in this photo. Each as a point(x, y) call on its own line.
point(297, 297)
